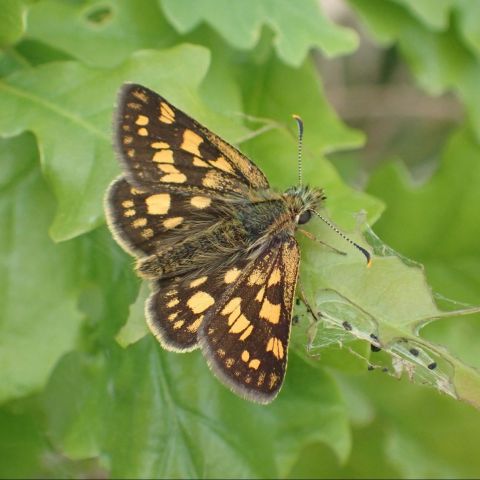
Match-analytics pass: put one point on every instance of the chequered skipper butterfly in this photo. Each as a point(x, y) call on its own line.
point(215, 241)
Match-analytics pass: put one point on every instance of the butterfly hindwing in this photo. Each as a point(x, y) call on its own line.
point(245, 336)
point(161, 145)
point(177, 308)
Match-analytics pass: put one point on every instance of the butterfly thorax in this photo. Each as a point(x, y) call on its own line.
point(246, 225)
point(269, 216)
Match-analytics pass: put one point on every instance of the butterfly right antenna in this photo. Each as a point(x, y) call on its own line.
point(356, 245)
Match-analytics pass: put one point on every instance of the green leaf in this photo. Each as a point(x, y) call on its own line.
point(21, 445)
point(459, 174)
point(136, 327)
point(108, 286)
point(440, 61)
point(468, 15)
point(317, 462)
point(297, 27)
point(159, 414)
point(276, 96)
point(75, 405)
point(392, 301)
point(417, 418)
point(26, 451)
point(12, 22)
point(69, 108)
point(99, 33)
point(39, 317)
point(452, 194)
point(408, 423)
point(433, 13)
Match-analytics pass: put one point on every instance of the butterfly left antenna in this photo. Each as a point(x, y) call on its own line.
point(300, 142)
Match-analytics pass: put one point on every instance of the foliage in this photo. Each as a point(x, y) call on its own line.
point(84, 390)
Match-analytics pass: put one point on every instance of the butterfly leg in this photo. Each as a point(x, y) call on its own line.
point(304, 300)
point(312, 237)
point(312, 328)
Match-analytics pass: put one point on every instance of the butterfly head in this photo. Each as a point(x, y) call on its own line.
point(302, 201)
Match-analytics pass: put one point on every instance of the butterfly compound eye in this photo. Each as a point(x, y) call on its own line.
point(304, 217)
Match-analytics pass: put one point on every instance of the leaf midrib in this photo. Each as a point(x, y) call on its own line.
point(54, 108)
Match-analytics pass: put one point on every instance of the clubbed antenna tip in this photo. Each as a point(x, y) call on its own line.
point(366, 253)
point(356, 245)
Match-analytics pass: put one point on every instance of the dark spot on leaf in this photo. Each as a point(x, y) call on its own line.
point(374, 348)
point(297, 301)
point(432, 366)
point(101, 14)
point(414, 352)
point(346, 325)
point(295, 319)
point(370, 368)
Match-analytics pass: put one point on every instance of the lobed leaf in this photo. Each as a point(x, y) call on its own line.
point(99, 33)
point(433, 13)
point(439, 60)
point(40, 321)
point(159, 414)
point(297, 27)
point(69, 108)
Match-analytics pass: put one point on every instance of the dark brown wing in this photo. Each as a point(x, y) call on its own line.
point(160, 146)
point(142, 222)
point(176, 309)
point(245, 336)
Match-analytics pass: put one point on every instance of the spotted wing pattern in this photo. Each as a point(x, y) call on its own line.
point(144, 221)
point(159, 145)
point(245, 335)
point(176, 309)
point(175, 209)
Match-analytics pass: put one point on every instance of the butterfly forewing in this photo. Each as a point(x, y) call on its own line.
point(245, 337)
point(160, 145)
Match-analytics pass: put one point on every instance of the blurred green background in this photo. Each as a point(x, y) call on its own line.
point(388, 90)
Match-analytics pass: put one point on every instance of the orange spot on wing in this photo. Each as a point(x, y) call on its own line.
point(163, 156)
point(191, 142)
point(170, 223)
point(255, 363)
point(200, 202)
point(200, 301)
point(270, 311)
point(158, 204)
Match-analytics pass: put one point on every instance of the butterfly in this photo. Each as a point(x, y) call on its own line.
point(215, 241)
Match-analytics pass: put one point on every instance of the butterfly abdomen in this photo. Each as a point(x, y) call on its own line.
point(202, 250)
